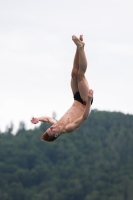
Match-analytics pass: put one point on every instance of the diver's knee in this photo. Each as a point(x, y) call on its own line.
point(80, 76)
point(74, 73)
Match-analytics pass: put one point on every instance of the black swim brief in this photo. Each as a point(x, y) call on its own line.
point(77, 97)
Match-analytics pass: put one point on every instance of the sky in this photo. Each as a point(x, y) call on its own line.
point(36, 56)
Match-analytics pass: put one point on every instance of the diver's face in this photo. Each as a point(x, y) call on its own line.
point(52, 131)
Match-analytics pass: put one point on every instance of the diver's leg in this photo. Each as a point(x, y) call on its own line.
point(83, 86)
point(74, 73)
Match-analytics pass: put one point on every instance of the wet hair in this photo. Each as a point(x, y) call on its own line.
point(48, 138)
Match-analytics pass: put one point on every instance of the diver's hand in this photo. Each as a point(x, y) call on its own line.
point(90, 95)
point(34, 120)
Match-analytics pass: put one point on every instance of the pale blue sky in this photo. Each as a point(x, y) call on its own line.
point(36, 56)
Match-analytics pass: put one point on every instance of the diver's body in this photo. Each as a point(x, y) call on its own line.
point(83, 98)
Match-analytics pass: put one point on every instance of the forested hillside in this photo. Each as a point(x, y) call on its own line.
point(93, 163)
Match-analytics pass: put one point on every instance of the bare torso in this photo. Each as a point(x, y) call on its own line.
point(73, 113)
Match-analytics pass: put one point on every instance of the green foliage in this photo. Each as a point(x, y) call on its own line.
point(94, 163)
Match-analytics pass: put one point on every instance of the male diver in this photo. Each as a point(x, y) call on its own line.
point(83, 98)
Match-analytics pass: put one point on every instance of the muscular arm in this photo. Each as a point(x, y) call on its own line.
point(43, 119)
point(73, 126)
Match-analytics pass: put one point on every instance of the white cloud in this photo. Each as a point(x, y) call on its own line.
point(116, 48)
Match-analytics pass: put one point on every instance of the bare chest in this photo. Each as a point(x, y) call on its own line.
point(74, 112)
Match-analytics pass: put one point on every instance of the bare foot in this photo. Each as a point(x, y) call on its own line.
point(81, 37)
point(78, 42)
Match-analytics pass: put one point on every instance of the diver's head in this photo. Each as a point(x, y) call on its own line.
point(51, 134)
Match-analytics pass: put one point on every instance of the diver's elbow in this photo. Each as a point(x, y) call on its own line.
point(85, 117)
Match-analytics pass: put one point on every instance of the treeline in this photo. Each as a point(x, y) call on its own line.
point(93, 163)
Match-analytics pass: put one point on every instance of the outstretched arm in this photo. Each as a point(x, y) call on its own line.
point(43, 119)
point(73, 126)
